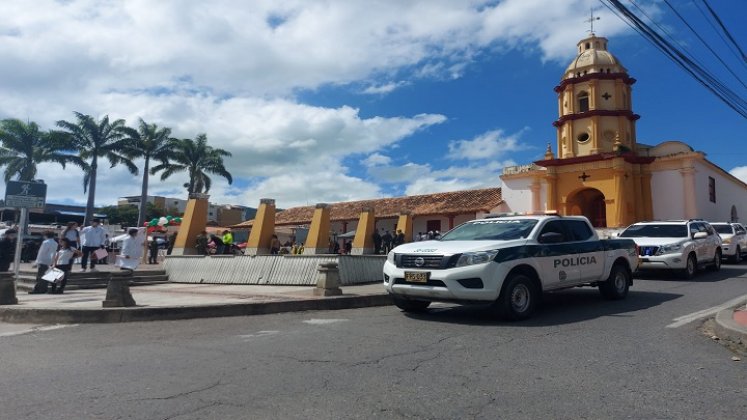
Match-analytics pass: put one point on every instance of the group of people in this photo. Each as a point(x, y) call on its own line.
point(221, 244)
point(386, 242)
point(60, 252)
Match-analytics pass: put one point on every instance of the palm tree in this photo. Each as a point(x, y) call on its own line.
point(97, 140)
point(24, 146)
point(198, 159)
point(150, 143)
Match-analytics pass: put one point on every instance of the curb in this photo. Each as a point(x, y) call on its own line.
point(728, 329)
point(21, 315)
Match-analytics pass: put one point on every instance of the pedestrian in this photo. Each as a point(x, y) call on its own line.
point(348, 247)
point(132, 250)
point(437, 235)
point(274, 245)
point(7, 249)
point(63, 260)
point(227, 242)
point(92, 238)
point(202, 243)
point(387, 241)
point(153, 251)
point(377, 241)
point(44, 260)
point(400, 239)
point(72, 234)
point(172, 241)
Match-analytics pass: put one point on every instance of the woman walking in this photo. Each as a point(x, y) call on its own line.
point(72, 235)
point(63, 260)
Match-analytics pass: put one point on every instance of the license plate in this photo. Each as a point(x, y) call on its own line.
point(417, 276)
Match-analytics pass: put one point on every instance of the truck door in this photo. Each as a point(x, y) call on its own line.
point(590, 251)
point(556, 257)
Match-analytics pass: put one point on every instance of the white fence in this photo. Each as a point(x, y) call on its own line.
point(297, 270)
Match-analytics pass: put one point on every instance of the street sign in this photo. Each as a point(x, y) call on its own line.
point(29, 195)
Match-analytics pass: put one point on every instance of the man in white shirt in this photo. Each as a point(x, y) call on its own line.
point(132, 250)
point(44, 259)
point(93, 238)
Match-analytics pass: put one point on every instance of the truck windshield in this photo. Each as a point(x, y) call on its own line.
point(723, 228)
point(655, 231)
point(491, 229)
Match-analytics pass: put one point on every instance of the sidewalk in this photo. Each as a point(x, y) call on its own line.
point(185, 301)
point(731, 325)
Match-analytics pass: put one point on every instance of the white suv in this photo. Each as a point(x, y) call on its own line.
point(734, 240)
point(683, 245)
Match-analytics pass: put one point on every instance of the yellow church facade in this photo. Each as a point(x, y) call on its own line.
point(599, 169)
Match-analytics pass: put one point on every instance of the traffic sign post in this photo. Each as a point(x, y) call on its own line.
point(24, 196)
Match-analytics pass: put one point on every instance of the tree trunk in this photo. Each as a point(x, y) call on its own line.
point(144, 193)
point(91, 192)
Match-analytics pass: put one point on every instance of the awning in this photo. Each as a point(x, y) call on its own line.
point(78, 213)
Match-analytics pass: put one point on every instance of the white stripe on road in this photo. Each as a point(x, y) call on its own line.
point(686, 319)
point(37, 329)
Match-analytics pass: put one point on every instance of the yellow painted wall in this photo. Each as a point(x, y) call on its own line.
point(193, 222)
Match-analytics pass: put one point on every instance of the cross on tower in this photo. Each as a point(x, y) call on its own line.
point(591, 20)
point(606, 96)
point(583, 177)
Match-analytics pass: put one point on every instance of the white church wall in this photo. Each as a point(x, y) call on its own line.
point(668, 195)
point(517, 194)
point(729, 192)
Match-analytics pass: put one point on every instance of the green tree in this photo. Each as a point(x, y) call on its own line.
point(148, 142)
point(24, 146)
point(127, 215)
point(96, 140)
point(198, 160)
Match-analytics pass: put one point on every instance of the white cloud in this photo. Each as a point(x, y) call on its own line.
point(384, 88)
point(232, 70)
point(740, 172)
point(491, 145)
point(376, 159)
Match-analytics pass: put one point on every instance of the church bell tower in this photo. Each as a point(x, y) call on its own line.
point(595, 113)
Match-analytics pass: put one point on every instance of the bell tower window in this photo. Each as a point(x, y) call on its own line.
point(583, 101)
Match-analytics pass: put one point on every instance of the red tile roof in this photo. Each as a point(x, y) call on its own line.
point(448, 203)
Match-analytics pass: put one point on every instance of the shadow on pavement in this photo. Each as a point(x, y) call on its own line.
point(704, 275)
point(558, 308)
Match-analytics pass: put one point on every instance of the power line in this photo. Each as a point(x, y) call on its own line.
point(720, 35)
point(710, 82)
point(726, 31)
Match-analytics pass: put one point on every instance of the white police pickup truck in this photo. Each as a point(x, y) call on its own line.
point(508, 262)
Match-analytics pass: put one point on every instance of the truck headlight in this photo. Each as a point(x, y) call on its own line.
point(669, 249)
point(480, 257)
point(390, 257)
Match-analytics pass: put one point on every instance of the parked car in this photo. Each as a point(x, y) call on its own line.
point(509, 262)
point(681, 245)
point(733, 240)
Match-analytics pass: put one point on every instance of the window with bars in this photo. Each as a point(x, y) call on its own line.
point(712, 189)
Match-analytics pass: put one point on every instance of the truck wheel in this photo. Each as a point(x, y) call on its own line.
point(518, 299)
point(617, 284)
point(716, 264)
point(737, 258)
point(408, 305)
point(692, 266)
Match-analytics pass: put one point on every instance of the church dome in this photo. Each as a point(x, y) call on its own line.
point(593, 57)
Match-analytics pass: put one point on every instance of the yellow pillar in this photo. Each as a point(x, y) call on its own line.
point(619, 219)
point(263, 228)
point(404, 223)
point(552, 198)
point(193, 222)
point(646, 196)
point(536, 188)
point(317, 242)
point(363, 242)
point(688, 180)
point(640, 212)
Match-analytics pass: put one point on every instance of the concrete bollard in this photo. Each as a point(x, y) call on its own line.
point(328, 280)
point(118, 290)
point(7, 289)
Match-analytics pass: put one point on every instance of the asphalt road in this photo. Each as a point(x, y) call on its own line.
point(579, 357)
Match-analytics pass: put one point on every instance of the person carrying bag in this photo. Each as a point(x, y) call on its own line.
point(63, 260)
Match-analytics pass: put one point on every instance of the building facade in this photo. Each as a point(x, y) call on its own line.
point(602, 172)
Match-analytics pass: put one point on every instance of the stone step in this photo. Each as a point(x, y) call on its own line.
point(27, 281)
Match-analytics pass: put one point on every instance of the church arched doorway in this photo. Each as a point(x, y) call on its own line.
point(589, 202)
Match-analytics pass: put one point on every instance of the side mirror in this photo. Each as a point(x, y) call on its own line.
point(700, 235)
point(551, 238)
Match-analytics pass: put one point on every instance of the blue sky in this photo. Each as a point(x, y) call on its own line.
point(335, 100)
